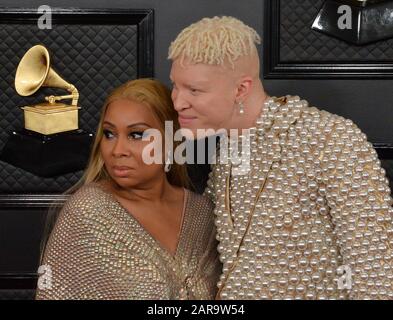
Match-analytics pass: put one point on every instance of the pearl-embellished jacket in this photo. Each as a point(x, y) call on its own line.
point(312, 218)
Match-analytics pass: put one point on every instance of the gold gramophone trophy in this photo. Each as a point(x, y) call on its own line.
point(49, 117)
point(51, 143)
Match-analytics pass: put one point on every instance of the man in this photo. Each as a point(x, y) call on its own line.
point(312, 218)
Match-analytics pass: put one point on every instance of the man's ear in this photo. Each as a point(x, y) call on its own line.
point(243, 88)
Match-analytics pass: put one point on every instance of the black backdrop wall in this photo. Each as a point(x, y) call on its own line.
point(369, 103)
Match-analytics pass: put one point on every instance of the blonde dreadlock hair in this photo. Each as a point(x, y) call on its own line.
point(214, 40)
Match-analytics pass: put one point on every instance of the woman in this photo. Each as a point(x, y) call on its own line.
point(132, 231)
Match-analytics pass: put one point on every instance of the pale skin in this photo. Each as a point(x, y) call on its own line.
point(207, 96)
point(143, 190)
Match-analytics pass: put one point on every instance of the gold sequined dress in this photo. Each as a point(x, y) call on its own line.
point(97, 250)
point(311, 218)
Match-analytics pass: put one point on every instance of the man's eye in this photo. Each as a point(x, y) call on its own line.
point(137, 135)
point(108, 134)
point(195, 91)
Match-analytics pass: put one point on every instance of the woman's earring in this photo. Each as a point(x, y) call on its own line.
point(241, 108)
point(168, 165)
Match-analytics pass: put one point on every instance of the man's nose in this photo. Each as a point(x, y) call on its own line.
point(179, 102)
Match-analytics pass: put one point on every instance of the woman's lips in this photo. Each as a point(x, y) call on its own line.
point(121, 171)
point(183, 120)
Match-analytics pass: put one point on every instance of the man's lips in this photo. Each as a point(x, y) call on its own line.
point(183, 119)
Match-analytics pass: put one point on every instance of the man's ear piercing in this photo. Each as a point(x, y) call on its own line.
point(241, 108)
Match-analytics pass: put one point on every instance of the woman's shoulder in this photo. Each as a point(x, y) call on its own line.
point(84, 210)
point(88, 196)
point(88, 191)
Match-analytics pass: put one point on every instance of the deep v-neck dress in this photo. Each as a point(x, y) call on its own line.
point(98, 250)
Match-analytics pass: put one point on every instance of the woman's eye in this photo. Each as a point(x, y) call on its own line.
point(137, 135)
point(108, 134)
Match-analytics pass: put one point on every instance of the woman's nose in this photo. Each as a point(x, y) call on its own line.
point(121, 147)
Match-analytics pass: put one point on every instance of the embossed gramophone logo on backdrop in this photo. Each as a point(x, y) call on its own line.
point(358, 22)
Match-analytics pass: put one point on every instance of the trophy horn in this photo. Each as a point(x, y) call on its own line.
point(34, 71)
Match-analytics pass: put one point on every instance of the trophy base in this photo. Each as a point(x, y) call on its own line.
point(371, 20)
point(50, 119)
point(48, 156)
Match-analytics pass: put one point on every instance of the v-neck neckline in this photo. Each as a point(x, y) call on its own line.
point(157, 243)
